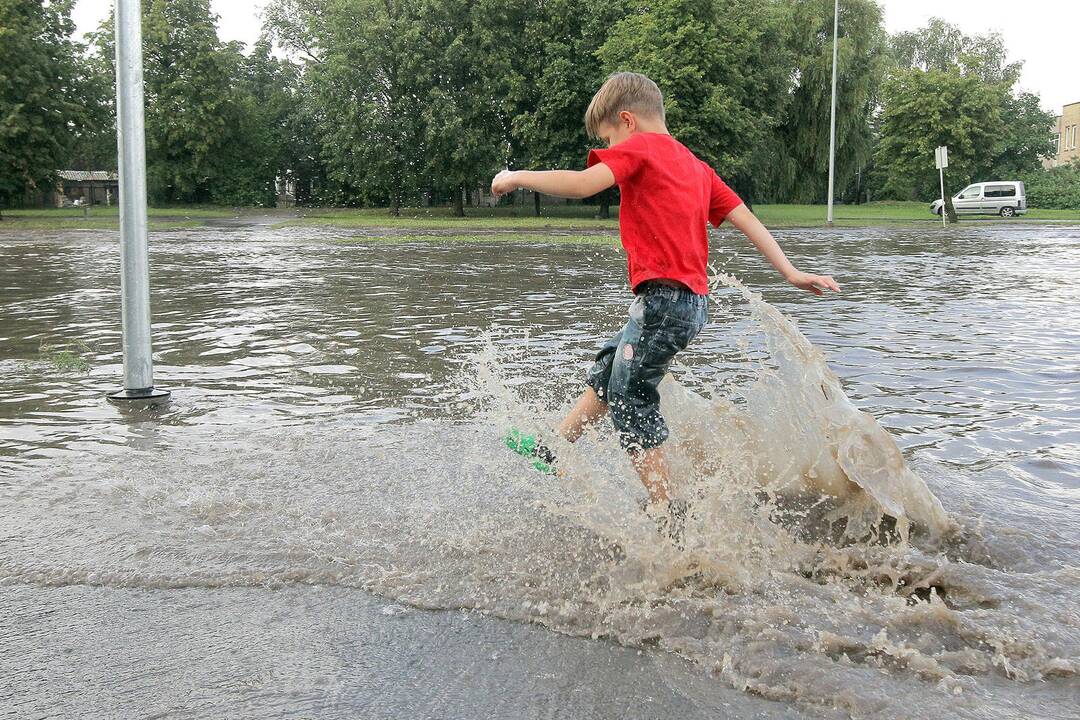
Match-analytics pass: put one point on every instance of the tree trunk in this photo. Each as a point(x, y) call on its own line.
point(950, 211)
point(536, 203)
point(605, 204)
point(459, 209)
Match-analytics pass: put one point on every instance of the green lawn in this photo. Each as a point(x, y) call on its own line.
point(100, 217)
point(443, 218)
point(583, 217)
point(568, 223)
point(101, 211)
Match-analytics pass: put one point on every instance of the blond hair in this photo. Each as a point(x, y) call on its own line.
point(628, 91)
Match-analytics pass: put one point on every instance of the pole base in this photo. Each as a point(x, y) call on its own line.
point(145, 396)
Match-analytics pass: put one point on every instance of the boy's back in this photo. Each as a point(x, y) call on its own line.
point(668, 195)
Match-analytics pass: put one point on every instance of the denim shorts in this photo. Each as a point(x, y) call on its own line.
point(629, 367)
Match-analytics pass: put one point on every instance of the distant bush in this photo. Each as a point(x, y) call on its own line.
point(1055, 189)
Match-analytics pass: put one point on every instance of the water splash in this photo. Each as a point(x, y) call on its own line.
point(796, 432)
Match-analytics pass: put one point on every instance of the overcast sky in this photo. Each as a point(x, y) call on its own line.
point(1042, 33)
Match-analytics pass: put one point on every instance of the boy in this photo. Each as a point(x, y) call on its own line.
point(668, 194)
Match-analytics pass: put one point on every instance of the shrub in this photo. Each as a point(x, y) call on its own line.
point(1057, 188)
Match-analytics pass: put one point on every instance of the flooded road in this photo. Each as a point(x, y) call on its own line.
point(323, 522)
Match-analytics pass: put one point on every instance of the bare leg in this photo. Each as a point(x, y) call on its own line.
point(650, 464)
point(653, 470)
point(588, 409)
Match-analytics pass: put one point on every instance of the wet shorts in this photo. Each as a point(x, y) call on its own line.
point(629, 367)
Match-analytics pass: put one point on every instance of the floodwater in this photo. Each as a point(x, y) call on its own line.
point(323, 522)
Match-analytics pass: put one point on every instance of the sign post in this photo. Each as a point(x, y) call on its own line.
point(941, 156)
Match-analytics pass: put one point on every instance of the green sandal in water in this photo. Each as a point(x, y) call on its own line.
point(528, 446)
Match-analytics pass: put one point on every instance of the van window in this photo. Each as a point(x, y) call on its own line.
point(1000, 191)
point(969, 192)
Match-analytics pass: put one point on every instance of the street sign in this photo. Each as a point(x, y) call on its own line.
point(941, 155)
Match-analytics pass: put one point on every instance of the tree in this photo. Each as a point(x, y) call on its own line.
point(464, 51)
point(94, 142)
point(367, 81)
point(722, 69)
point(951, 89)
point(797, 161)
point(941, 46)
point(1024, 139)
point(39, 97)
point(187, 89)
point(925, 109)
point(555, 72)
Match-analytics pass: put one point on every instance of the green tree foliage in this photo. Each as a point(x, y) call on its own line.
point(925, 109)
point(368, 79)
point(187, 96)
point(40, 103)
point(550, 75)
point(1025, 136)
point(395, 101)
point(466, 47)
point(261, 143)
point(951, 89)
point(94, 144)
point(797, 165)
point(941, 46)
point(217, 122)
point(1057, 188)
point(720, 65)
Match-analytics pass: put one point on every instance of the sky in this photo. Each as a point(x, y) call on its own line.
point(1042, 33)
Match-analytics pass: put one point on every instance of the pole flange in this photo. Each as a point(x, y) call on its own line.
point(144, 396)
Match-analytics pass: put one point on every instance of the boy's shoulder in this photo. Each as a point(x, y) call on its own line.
point(641, 150)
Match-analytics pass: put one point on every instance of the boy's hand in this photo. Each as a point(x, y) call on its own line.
point(503, 183)
point(816, 284)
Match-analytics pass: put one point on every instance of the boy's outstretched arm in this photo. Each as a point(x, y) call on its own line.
point(751, 227)
point(561, 183)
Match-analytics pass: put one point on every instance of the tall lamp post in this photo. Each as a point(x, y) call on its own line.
point(832, 117)
point(134, 265)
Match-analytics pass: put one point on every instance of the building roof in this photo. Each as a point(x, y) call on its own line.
point(85, 175)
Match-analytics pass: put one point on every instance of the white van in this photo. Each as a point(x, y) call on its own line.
point(1005, 198)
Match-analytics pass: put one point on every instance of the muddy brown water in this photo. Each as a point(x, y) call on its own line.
point(323, 523)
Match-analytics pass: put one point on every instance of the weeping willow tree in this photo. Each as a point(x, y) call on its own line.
point(796, 162)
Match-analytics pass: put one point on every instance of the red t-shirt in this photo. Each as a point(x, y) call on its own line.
point(668, 195)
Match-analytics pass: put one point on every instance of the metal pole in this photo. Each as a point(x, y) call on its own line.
point(832, 117)
point(134, 267)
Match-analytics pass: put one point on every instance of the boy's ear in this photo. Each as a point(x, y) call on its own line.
point(627, 118)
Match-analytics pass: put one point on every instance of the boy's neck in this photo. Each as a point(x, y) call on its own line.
point(650, 127)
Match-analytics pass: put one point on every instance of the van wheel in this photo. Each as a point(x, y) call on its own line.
point(1008, 212)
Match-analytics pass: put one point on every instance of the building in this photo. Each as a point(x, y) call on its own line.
point(86, 187)
point(76, 187)
point(1066, 136)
